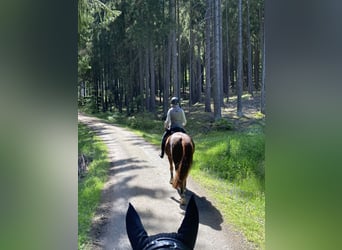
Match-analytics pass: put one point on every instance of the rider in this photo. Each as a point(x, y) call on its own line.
point(175, 122)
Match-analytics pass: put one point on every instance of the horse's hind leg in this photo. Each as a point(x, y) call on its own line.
point(182, 193)
point(183, 199)
point(171, 171)
point(171, 176)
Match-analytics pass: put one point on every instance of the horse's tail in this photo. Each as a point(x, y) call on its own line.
point(185, 163)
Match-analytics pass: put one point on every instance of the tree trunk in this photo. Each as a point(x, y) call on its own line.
point(160, 74)
point(228, 54)
point(208, 58)
point(218, 77)
point(249, 52)
point(220, 54)
point(129, 83)
point(263, 89)
point(167, 78)
point(147, 79)
point(175, 79)
point(153, 83)
point(256, 66)
point(179, 49)
point(191, 59)
point(239, 66)
point(199, 74)
point(141, 81)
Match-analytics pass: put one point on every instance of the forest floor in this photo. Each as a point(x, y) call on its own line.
point(251, 118)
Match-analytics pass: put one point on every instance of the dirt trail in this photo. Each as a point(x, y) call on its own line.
point(139, 176)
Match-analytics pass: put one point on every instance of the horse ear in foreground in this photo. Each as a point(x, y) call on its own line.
point(180, 149)
point(184, 239)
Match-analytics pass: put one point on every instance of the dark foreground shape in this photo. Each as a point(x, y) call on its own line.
point(184, 239)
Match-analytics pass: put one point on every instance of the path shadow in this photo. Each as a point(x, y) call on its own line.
point(209, 215)
point(124, 165)
point(106, 221)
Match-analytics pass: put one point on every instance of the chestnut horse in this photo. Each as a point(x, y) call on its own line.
point(179, 149)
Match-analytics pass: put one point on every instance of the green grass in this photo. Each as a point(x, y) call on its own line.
point(231, 155)
point(229, 164)
point(245, 212)
point(144, 124)
point(89, 187)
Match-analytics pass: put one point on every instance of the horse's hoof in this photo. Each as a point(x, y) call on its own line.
point(182, 201)
point(171, 181)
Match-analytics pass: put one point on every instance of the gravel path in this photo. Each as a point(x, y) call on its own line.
point(139, 176)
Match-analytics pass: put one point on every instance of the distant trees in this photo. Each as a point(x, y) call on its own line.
point(134, 55)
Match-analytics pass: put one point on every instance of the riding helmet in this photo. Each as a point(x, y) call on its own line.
point(174, 100)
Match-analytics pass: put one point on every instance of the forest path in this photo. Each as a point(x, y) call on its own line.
point(139, 176)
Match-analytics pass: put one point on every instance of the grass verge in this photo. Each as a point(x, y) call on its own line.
point(230, 167)
point(89, 187)
point(247, 214)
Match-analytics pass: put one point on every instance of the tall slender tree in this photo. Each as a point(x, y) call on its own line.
point(221, 52)
point(147, 79)
point(191, 55)
point(249, 54)
point(263, 75)
point(218, 67)
point(208, 57)
point(240, 57)
point(175, 78)
point(167, 76)
point(153, 82)
point(227, 54)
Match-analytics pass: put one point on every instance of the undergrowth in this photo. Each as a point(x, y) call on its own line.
point(230, 166)
point(89, 187)
point(234, 156)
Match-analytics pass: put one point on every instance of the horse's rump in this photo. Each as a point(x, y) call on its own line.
point(181, 148)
